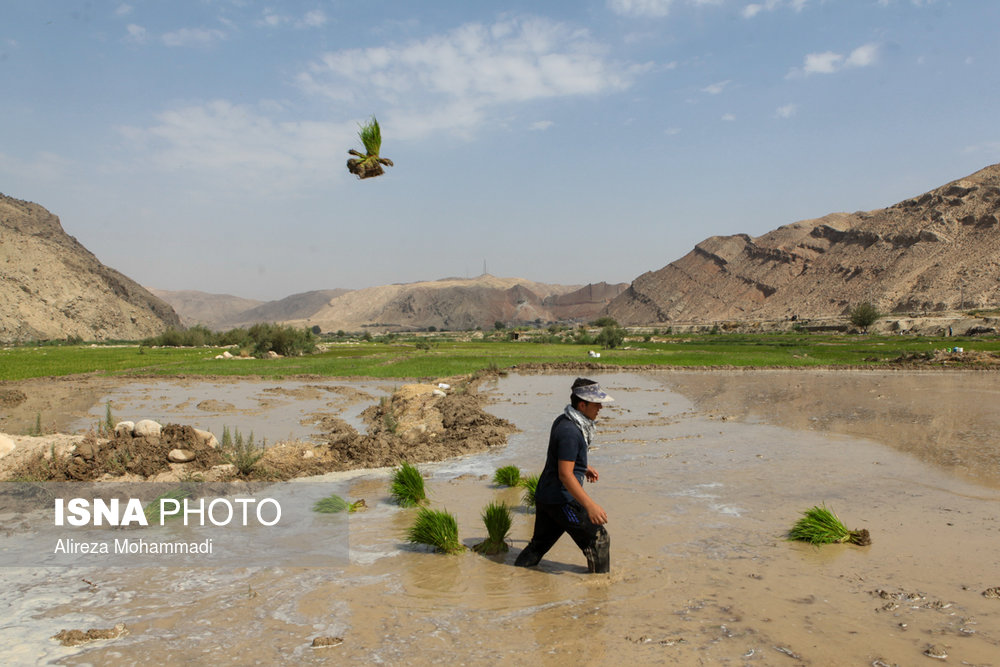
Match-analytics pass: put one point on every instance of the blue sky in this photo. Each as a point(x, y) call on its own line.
point(201, 144)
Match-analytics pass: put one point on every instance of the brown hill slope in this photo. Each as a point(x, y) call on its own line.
point(460, 304)
point(52, 287)
point(221, 312)
point(211, 310)
point(935, 252)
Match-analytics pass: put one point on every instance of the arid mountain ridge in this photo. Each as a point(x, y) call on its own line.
point(446, 304)
point(52, 287)
point(928, 255)
point(932, 253)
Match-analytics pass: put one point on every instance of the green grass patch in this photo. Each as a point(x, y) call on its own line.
point(507, 476)
point(436, 528)
point(153, 508)
point(450, 355)
point(407, 487)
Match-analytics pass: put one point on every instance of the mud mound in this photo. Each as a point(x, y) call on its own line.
point(10, 398)
point(419, 423)
point(124, 454)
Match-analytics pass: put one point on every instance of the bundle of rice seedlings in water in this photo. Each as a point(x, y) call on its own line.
point(507, 476)
point(153, 508)
point(436, 528)
point(529, 484)
point(407, 486)
point(334, 503)
point(497, 518)
point(820, 525)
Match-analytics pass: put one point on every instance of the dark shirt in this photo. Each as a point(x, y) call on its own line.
point(566, 443)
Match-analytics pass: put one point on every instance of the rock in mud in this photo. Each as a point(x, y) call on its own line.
point(147, 428)
point(327, 642)
point(180, 456)
point(77, 637)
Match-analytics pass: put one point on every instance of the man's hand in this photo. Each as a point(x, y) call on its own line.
point(591, 474)
point(597, 515)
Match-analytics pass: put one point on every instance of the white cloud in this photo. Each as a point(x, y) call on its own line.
point(863, 56)
point(829, 62)
point(728, 117)
point(461, 74)
point(123, 10)
point(313, 19)
point(786, 111)
point(136, 33)
point(755, 8)
point(246, 142)
point(716, 88)
point(672, 131)
point(541, 125)
point(199, 37)
point(653, 8)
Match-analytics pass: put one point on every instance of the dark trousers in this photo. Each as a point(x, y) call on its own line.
point(551, 521)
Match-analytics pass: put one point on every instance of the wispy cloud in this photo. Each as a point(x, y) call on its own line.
point(123, 10)
point(197, 37)
point(755, 8)
point(247, 142)
point(135, 33)
point(728, 117)
point(716, 88)
point(829, 62)
point(461, 75)
point(651, 8)
point(541, 125)
point(272, 19)
point(654, 8)
point(786, 111)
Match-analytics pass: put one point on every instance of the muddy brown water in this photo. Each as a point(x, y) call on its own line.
point(702, 474)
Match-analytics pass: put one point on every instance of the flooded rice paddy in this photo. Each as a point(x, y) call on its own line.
point(702, 474)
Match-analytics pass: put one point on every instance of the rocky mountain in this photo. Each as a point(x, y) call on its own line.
point(221, 312)
point(51, 287)
point(935, 252)
point(461, 304)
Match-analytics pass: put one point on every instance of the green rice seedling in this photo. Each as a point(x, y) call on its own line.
point(243, 454)
point(496, 517)
point(333, 504)
point(530, 484)
point(507, 476)
point(408, 486)
point(820, 525)
point(436, 528)
point(109, 419)
point(153, 508)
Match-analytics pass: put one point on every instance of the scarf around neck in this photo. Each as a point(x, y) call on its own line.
point(586, 425)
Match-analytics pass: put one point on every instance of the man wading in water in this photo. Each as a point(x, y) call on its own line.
point(561, 504)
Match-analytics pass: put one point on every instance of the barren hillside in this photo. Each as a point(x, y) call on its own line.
point(935, 252)
point(460, 304)
point(51, 287)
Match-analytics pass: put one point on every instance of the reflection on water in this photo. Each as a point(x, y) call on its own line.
point(699, 501)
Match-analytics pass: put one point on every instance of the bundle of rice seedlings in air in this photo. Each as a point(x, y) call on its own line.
point(334, 503)
point(507, 476)
point(496, 517)
point(529, 484)
point(436, 528)
point(407, 486)
point(820, 525)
